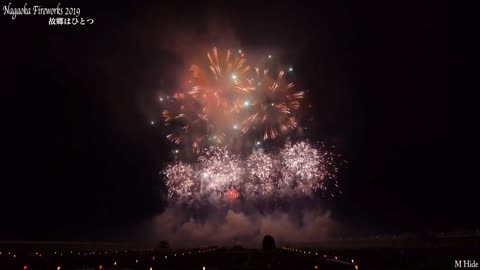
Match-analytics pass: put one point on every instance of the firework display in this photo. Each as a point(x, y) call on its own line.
point(228, 98)
point(180, 180)
point(261, 180)
point(298, 168)
point(302, 166)
point(273, 105)
point(220, 171)
point(226, 102)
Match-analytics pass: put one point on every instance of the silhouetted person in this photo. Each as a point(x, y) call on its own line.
point(268, 243)
point(163, 244)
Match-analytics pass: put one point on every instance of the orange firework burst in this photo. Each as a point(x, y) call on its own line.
point(186, 122)
point(273, 105)
point(222, 83)
point(229, 96)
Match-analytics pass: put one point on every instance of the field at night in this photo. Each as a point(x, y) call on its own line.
point(236, 135)
point(377, 253)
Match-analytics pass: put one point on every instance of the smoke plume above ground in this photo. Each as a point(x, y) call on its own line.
point(182, 230)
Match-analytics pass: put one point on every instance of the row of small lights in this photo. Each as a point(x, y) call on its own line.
point(316, 254)
point(100, 267)
point(71, 252)
point(9, 253)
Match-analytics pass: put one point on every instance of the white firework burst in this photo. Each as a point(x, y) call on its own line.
point(180, 180)
point(301, 167)
point(260, 175)
point(219, 170)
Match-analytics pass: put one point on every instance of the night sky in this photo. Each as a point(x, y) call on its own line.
point(81, 161)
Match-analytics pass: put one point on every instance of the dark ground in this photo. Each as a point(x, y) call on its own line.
point(372, 254)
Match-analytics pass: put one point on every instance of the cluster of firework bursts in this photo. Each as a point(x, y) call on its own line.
point(218, 175)
point(229, 99)
point(227, 103)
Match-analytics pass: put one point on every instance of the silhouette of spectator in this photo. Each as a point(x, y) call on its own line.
point(163, 244)
point(268, 243)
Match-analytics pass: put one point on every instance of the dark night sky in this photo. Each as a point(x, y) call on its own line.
point(81, 161)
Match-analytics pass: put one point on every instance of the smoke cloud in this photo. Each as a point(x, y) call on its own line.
point(182, 230)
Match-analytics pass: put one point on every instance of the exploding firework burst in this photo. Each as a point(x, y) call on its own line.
point(186, 122)
point(273, 107)
point(306, 168)
point(180, 181)
point(261, 175)
point(220, 170)
point(223, 83)
point(298, 168)
point(226, 104)
point(229, 96)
